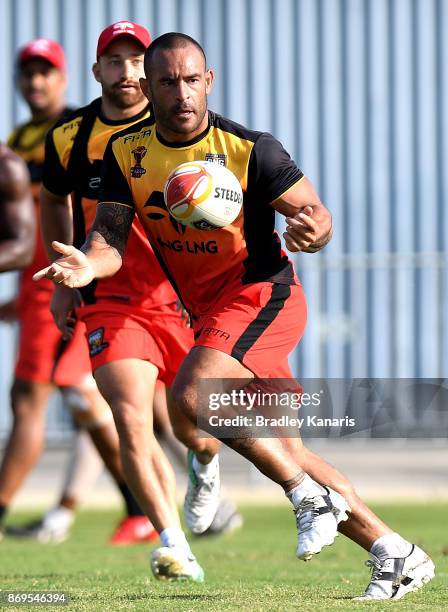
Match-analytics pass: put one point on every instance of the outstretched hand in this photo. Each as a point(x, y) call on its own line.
point(72, 270)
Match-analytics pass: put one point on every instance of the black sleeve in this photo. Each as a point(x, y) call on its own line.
point(271, 169)
point(55, 177)
point(113, 187)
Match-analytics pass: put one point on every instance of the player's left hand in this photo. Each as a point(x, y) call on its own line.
point(304, 232)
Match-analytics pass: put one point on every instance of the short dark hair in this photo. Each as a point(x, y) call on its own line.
point(170, 40)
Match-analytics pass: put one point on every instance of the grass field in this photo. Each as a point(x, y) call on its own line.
point(254, 569)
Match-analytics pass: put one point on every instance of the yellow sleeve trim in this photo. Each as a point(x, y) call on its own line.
point(63, 137)
point(289, 189)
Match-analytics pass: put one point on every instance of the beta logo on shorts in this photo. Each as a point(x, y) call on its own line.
point(216, 333)
point(95, 340)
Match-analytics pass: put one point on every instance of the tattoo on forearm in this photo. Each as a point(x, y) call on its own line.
point(112, 226)
point(292, 483)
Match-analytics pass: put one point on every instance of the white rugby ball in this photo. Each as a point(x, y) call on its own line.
point(203, 195)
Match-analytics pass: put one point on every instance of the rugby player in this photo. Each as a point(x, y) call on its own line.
point(44, 361)
point(250, 289)
point(135, 328)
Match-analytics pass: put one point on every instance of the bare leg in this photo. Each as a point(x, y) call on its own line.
point(83, 470)
point(25, 444)
point(279, 465)
point(163, 427)
point(363, 526)
point(128, 387)
point(186, 431)
point(94, 415)
point(269, 455)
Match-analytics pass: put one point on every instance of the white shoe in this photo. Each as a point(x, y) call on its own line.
point(175, 563)
point(54, 527)
point(317, 521)
point(394, 578)
point(202, 499)
point(226, 519)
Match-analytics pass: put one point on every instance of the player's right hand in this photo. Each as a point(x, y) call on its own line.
point(72, 270)
point(63, 303)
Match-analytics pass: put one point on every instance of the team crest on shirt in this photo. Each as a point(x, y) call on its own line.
point(139, 153)
point(217, 158)
point(96, 341)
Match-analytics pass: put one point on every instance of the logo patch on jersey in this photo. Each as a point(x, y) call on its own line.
point(217, 158)
point(139, 153)
point(94, 182)
point(71, 126)
point(96, 341)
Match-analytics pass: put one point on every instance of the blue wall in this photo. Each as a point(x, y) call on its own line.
point(357, 91)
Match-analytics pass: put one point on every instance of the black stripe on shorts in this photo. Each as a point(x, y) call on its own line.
point(266, 316)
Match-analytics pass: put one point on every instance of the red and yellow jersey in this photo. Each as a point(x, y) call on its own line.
point(131, 285)
point(205, 265)
point(28, 141)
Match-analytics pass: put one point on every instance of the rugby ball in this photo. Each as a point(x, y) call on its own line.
point(203, 195)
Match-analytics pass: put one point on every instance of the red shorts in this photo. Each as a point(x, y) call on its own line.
point(43, 356)
point(259, 325)
point(117, 331)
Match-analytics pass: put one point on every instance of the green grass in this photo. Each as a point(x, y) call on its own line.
point(254, 569)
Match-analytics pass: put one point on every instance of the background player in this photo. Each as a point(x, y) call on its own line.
point(43, 359)
point(83, 469)
point(17, 218)
point(177, 84)
point(135, 329)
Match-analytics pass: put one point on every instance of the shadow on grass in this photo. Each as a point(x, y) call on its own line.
point(169, 596)
point(30, 577)
point(191, 596)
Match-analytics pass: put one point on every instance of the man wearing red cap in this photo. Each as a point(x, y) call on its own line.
point(41, 79)
point(44, 360)
point(135, 330)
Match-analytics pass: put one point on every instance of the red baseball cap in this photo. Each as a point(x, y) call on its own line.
point(43, 48)
point(122, 28)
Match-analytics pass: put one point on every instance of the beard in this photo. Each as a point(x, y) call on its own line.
point(123, 99)
point(167, 118)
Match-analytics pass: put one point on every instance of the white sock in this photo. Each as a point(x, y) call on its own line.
point(307, 488)
point(59, 518)
point(391, 546)
point(174, 536)
point(206, 471)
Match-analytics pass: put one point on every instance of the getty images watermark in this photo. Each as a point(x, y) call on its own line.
point(260, 400)
point(323, 408)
